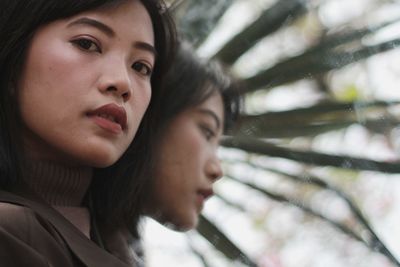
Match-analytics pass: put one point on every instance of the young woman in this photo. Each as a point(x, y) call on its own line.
point(199, 103)
point(75, 80)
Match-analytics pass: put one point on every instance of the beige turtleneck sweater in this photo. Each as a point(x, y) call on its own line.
point(63, 188)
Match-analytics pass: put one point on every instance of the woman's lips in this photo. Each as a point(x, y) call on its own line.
point(202, 196)
point(110, 117)
point(206, 193)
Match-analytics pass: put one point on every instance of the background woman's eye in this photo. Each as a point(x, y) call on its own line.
point(87, 44)
point(142, 68)
point(207, 132)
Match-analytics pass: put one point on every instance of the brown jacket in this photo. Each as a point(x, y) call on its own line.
point(34, 234)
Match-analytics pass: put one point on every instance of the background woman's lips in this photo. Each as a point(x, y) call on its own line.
point(206, 193)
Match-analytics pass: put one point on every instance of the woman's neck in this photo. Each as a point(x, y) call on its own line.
point(62, 187)
point(58, 185)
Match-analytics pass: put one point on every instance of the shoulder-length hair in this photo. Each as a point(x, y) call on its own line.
point(19, 20)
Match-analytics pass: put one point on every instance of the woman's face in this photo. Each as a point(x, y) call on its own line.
point(188, 164)
point(85, 84)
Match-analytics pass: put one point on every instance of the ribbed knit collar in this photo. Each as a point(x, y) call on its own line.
point(58, 185)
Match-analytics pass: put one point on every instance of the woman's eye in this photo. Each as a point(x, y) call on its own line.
point(207, 132)
point(142, 68)
point(87, 44)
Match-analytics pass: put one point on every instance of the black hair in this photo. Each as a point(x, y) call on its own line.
point(19, 20)
point(192, 80)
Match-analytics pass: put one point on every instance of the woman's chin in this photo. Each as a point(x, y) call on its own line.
point(181, 225)
point(101, 159)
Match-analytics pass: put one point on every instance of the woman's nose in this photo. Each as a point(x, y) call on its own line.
point(214, 169)
point(120, 91)
point(116, 80)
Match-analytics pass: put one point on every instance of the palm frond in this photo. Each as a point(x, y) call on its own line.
point(312, 63)
point(252, 145)
point(270, 21)
point(221, 242)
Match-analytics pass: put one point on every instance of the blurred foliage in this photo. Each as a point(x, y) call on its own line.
point(190, 16)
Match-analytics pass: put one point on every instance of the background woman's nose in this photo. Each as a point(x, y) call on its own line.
point(214, 170)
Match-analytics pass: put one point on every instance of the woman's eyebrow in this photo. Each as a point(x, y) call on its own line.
point(94, 23)
point(146, 46)
point(109, 32)
point(213, 115)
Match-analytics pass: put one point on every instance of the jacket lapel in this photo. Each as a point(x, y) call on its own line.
point(83, 248)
